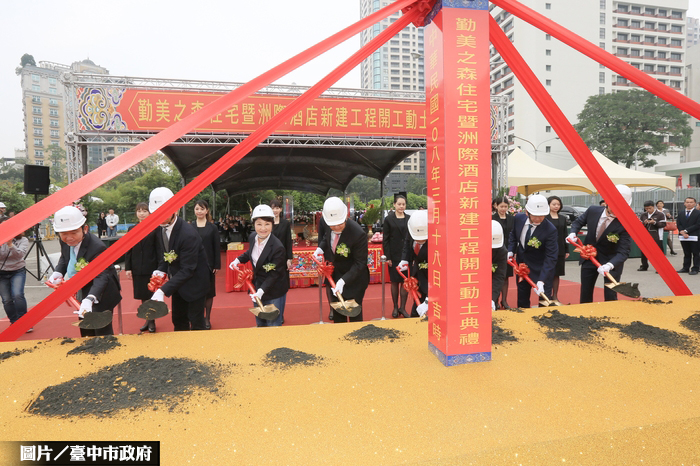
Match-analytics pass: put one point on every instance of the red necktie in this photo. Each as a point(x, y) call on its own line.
point(416, 248)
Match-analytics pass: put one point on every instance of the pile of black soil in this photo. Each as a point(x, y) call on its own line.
point(96, 345)
point(135, 383)
point(514, 309)
point(659, 337)
point(67, 341)
point(692, 322)
point(500, 335)
point(565, 327)
point(286, 358)
point(371, 333)
point(655, 301)
point(9, 354)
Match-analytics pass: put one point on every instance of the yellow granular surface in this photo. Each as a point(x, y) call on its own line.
point(539, 401)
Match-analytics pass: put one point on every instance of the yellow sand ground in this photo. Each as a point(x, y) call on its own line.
point(538, 401)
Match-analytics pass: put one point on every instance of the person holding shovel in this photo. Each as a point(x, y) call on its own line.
point(346, 248)
point(612, 242)
point(533, 241)
point(269, 259)
point(415, 258)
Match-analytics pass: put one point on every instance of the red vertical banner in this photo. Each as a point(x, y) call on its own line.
point(459, 182)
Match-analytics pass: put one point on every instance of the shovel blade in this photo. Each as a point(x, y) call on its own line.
point(351, 308)
point(268, 312)
point(151, 310)
point(95, 320)
point(630, 290)
point(551, 302)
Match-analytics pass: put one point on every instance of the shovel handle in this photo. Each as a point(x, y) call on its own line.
point(527, 278)
point(578, 243)
point(71, 301)
point(253, 290)
point(414, 294)
point(328, 276)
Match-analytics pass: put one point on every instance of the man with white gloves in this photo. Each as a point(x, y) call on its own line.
point(610, 239)
point(78, 248)
point(533, 241)
point(346, 247)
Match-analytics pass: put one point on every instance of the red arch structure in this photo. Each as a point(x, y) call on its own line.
point(415, 11)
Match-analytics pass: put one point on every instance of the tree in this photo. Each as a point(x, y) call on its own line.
point(57, 157)
point(366, 188)
point(619, 124)
point(27, 60)
point(416, 185)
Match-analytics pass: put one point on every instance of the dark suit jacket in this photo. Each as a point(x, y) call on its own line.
point(418, 264)
point(142, 259)
point(690, 224)
point(105, 286)
point(210, 240)
point(654, 228)
point(394, 232)
point(283, 232)
point(543, 260)
point(614, 252)
point(499, 260)
point(353, 268)
point(189, 272)
point(274, 282)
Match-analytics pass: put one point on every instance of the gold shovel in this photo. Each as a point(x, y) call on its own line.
point(631, 290)
point(267, 312)
point(90, 320)
point(544, 300)
point(348, 308)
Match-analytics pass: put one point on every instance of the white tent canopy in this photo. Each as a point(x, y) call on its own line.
point(531, 176)
point(623, 175)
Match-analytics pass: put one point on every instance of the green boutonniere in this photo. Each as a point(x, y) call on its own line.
point(493, 268)
point(342, 250)
point(534, 243)
point(169, 257)
point(269, 266)
point(613, 237)
point(80, 265)
point(422, 265)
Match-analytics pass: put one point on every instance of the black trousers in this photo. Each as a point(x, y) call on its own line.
point(524, 290)
point(691, 250)
point(589, 275)
point(659, 243)
point(188, 315)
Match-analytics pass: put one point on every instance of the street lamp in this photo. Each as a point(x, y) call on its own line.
point(535, 148)
point(645, 146)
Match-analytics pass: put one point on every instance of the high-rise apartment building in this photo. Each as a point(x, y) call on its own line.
point(692, 35)
point(648, 35)
point(396, 66)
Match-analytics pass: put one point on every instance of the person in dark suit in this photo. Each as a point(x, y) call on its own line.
point(559, 221)
point(282, 230)
point(346, 247)
point(210, 240)
point(101, 225)
point(415, 257)
point(78, 248)
point(533, 241)
point(502, 216)
point(323, 231)
point(180, 253)
point(140, 262)
point(395, 232)
point(654, 222)
point(499, 260)
point(610, 239)
point(269, 260)
point(689, 225)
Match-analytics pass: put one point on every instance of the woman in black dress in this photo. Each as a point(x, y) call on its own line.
point(395, 230)
point(210, 239)
point(102, 225)
point(140, 262)
point(507, 221)
point(558, 221)
point(283, 231)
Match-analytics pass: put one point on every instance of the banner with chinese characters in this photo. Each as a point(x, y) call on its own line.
point(459, 184)
point(155, 110)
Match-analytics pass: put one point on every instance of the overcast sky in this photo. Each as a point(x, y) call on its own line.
point(204, 40)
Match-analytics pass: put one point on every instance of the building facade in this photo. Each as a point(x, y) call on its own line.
point(692, 36)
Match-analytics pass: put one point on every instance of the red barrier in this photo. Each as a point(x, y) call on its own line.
point(585, 159)
point(591, 50)
point(47, 207)
point(42, 309)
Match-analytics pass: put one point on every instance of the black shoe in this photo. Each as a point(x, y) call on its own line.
point(404, 313)
point(504, 305)
point(145, 326)
point(207, 324)
point(682, 271)
point(151, 326)
point(642, 269)
point(330, 315)
point(693, 272)
point(395, 313)
point(674, 253)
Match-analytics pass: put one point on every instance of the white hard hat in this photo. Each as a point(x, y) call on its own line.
point(158, 197)
point(334, 211)
point(418, 225)
point(68, 218)
point(2, 205)
point(626, 192)
point(537, 205)
point(262, 210)
point(496, 234)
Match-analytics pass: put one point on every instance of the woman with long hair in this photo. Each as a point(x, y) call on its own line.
point(558, 221)
point(210, 239)
point(395, 230)
point(140, 262)
point(282, 229)
point(507, 222)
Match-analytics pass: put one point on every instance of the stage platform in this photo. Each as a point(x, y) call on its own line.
point(610, 400)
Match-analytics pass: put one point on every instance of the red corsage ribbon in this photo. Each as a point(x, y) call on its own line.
point(586, 251)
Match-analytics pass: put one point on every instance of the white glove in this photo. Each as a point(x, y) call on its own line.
point(157, 273)
point(258, 294)
point(605, 268)
point(403, 266)
point(158, 295)
point(339, 285)
point(318, 254)
point(56, 278)
point(493, 306)
point(85, 306)
point(572, 237)
point(422, 308)
point(540, 288)
point(234, 265)
point(510, 255)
